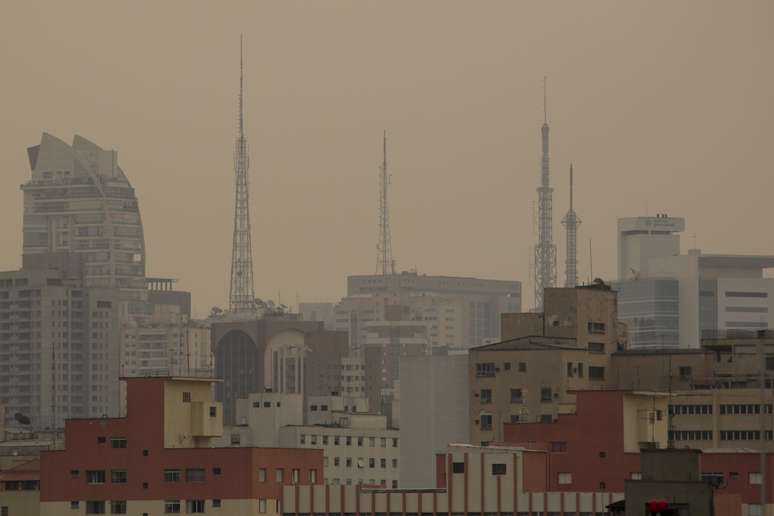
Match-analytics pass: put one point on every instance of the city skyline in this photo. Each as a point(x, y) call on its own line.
point(661, 121)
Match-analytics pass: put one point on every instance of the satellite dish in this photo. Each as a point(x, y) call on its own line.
point(21, 418)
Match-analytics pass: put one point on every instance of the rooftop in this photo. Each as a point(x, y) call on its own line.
point(532, 343)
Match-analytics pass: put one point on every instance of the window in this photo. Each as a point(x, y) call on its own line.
point(596, 347)
point(564, 478)
point(336, 461)
point(74, 472)
point(382, 463)
point(486, 396)
point(101, 440)
point(394, 463)
point(312, 476)
point(348, 462)
point(172, 507)
point(580, 370)
point(194, 475)
point(325, 440)
point(216, 502)
point(213, 411)
point(596, 327)
point(348, 440)
point(118, 442)
point(507, 366)
point(371, 463)
point(95, 476)
point(569, 369)
point(384, 442)
point(360, 441)
point(279, 475)
point(458, 467)
point(558, 446)
point(395, 484)
point(145, 453)
point(596, 373)
point(95, 507)
point(522, 367)
point(546, 394)
point(486, 369)
point(75, 504)
point(262, 505)
point(755, 478)
point(685, 373)
point(336, 440)
point(295, 475)
point(394, 442)
point(516, 396)
point(171, 475)
point(486, 422)
point(546, 418)
point(261, 474)
point(216, 470)
point(118, 507)
point(498, 469)
point(313, 408)
point(302, 439)
point(118, 476)
point(636, 476)
point(186, 399)
point(372, 441)
point(195, 506)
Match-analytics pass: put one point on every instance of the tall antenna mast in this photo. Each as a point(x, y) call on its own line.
point(384, 262)
point(545, 250)
point(242, 291)
point(571, 223)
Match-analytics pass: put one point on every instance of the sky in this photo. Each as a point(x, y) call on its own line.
point(662, 107)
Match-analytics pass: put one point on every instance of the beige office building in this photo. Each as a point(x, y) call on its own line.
point(529, 376)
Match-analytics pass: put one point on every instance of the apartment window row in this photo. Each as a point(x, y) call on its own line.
point(596, 327)
point(347, 440)
point(690, 410)
point(361, 461)
point(744, 435)
point(279, 475)
point(744, 409)
point(266, 404)
point(690, 435)
point(349, 482)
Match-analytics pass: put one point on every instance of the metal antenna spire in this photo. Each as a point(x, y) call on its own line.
point(242, 291)
point(571, 223)
point(384, 262)
point(545, 250)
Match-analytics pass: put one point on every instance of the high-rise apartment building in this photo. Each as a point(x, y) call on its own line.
point(59, 347)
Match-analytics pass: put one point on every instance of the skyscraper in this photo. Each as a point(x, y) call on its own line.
point(79, 201)
point(63, 315)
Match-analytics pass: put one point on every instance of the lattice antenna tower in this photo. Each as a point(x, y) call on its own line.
point(384, 262)
point(242, 291)
point(545, 250)
point(571, 223)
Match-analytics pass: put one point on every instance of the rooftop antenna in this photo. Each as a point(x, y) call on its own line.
point(242, 290)
point(545, 250)
point(384, 263)
point(571, 223)
point(591, 263)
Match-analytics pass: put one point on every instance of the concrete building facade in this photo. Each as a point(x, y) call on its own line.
point(531, 376)
point(358, 448)
point(433, 413)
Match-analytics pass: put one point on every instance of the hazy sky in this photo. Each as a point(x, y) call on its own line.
point(663, 106)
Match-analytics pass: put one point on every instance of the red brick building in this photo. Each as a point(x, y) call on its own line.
point(157, 460)
point(597, 447)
